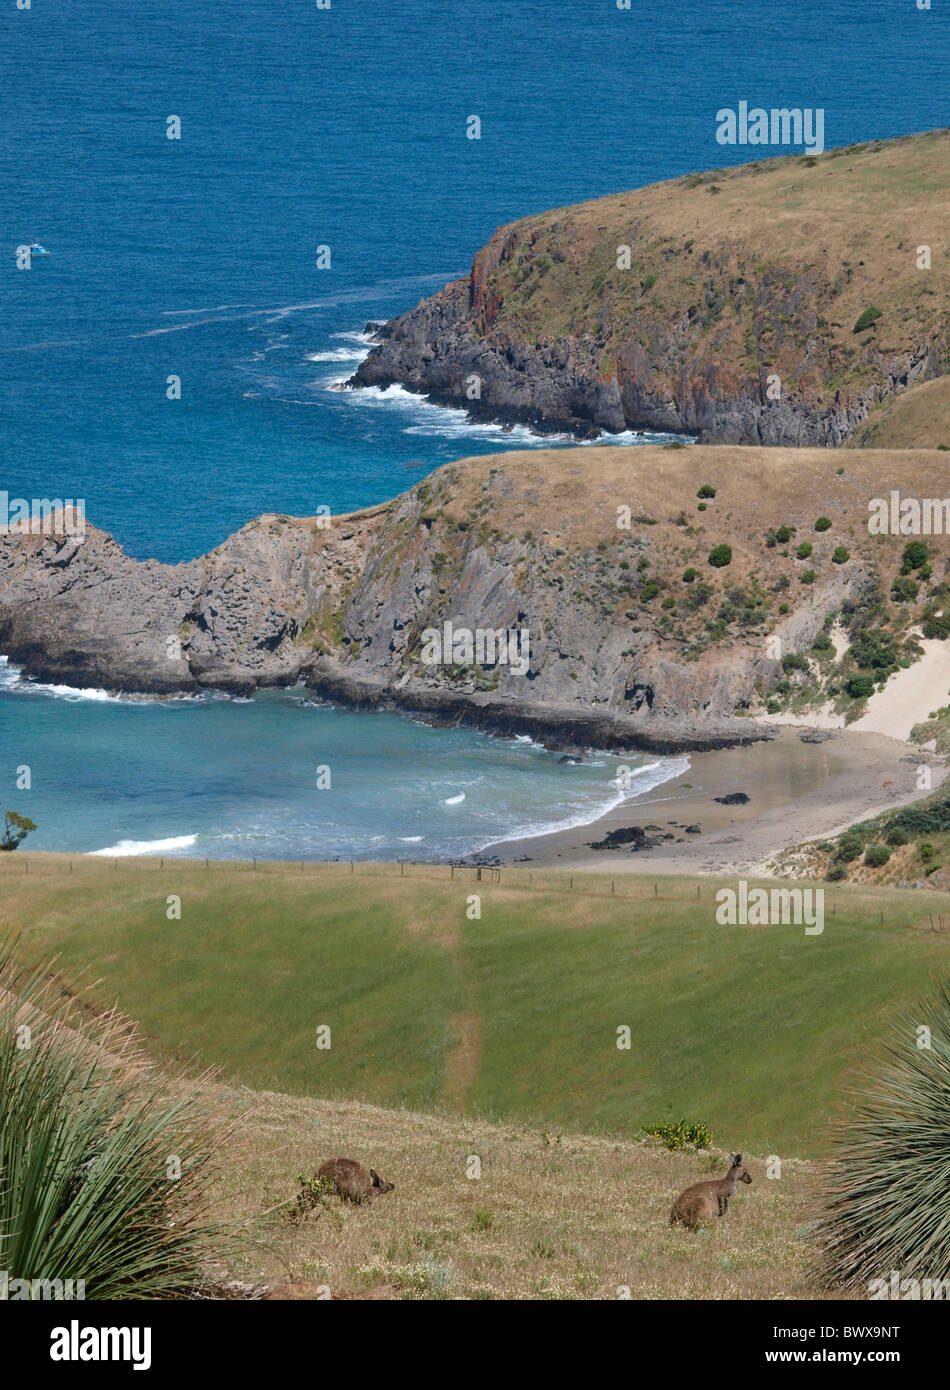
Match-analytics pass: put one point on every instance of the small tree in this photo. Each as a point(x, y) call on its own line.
point(720, 555)
point(15, 829)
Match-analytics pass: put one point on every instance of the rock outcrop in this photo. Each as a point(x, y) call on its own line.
point(722, 305)
point(602, 620)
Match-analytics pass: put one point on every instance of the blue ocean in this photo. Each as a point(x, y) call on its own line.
point(197, 258)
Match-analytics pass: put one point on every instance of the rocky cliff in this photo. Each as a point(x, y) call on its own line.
point(728, 305)
point(600, 561)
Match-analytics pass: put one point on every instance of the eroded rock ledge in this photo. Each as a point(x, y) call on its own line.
point(623, 651)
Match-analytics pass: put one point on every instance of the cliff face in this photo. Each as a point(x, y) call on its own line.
point(729, 280)
point(628, 633)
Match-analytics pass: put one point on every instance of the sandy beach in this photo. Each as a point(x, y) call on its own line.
point(798, 790)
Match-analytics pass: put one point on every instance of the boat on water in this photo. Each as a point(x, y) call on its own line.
point(35, 249)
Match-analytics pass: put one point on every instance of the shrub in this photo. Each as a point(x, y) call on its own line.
point(702, 506)
point(649, 590)
point(680, 1135)
point(823, 524)
point(896, 836)
point(689, 575)
point(875, 856)
point(915, 555)
point(904, 589)
point(669, 602)
point(869, 316)
point(809, 576)
point(836, 873)
point(804, 550)
point(784, 534)
point(849, 847)
point(706, 491)
point(841, 555)
point(84, 1143)
point(859, 687)
point(720, 556)
point(822, 643)
point(886, 1206)
point(794, 662)
point(872, 650)
point(934, 626)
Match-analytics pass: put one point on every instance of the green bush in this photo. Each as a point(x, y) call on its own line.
point(809, 576)
point(823, 524)
point(689, 575)
point(896, 836)
point(934, 626)
point(706, 491)
point(794, 662)
point(649, 590)
point(836, 873)
point(904, 589)
point(859, 687)
point(886, 1189)
point(681, 1135)
point(784, 534)
point(915, 555)
point(720, 556)
point(850, 847)
point(841, 555)
point(875, 856)
point(822, 643)
point(870, 315)
point(804, 550)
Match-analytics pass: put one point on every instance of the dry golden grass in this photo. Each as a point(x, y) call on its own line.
point(853, 215)
point(552, 1216)
point(916, 419)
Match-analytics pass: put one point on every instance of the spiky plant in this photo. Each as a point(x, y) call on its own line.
point(90, 1145)
point(887, 1195)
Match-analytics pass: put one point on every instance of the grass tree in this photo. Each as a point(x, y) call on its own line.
point(103, 1163)
point(887, 1203)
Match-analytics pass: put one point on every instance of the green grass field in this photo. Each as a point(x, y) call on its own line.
point(512, 1017)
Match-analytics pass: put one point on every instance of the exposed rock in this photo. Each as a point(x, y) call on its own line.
point(732, 799)
point(687, 338)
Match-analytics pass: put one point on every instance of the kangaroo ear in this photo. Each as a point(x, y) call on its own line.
point(735, 1160)
point(738, 1159)
point(377, 1180)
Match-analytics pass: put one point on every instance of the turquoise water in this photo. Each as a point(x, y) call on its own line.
point(196, 258)
point(238, 779)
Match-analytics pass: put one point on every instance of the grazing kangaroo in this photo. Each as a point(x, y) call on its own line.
point(704, 1200)
point(352, 1181)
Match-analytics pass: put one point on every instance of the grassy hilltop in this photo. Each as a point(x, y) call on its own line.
point(750, 1030)
point(802, 266)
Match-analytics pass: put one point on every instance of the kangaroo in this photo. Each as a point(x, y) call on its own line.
point(353, 1182)
point(704, 1200)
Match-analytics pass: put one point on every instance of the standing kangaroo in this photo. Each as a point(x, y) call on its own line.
point(704, 1200)
point(352, 1181)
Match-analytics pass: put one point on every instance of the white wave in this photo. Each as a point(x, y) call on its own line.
point(451, 422)
point(647, 777)
point(454, 800)
point(364, 339)
point(337, 355)
point(126, 847)
point(409, 839)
